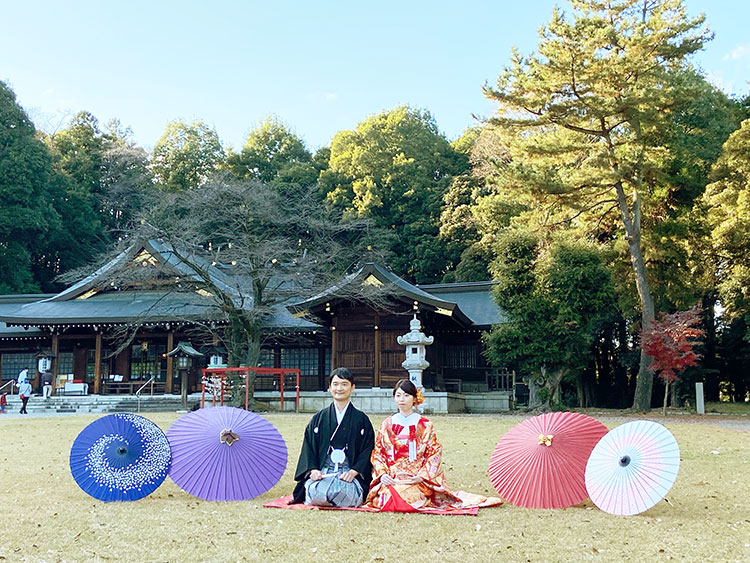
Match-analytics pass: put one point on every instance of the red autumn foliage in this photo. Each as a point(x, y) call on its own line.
point(671, 343)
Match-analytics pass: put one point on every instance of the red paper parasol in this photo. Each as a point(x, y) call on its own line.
point(541, 462)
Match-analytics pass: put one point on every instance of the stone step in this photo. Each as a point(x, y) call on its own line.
point(98, 404)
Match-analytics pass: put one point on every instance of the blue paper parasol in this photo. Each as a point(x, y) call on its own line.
point(120, 457)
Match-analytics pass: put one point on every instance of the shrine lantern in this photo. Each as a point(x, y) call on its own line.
point(416, 344)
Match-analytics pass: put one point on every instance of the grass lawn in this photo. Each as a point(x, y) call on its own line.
point(742, 409)
point(46, 517)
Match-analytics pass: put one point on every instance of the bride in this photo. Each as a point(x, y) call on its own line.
point(407, 470)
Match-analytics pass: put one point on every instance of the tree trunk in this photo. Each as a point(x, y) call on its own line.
point(534, 400)
point(251, 360)
point(589, 396)
point(643, 386)
point(243, 336)
point(666, 396)
point(553, 384)
point(588, 378)
point(632, 224)
point(677, 400)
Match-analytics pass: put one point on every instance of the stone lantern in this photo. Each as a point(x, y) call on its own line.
point(184, 355)
point(216, 360)
point(416, 349)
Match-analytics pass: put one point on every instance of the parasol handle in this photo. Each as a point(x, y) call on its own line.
point(228, 437)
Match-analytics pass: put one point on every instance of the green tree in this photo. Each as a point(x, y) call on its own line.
point(77, 157)
point(126, 183)
point(101, 179)
point(185, 156)
point(474, 213)
point(727, 199)
point(26, 213)
point(104, 167)
point(273, 154)
point(395, 168)
point(677, 250)
point(465, 143)
point(588, 116)
point(458, 226)
point(78, 151)
point(556, 297)
point(674, 230)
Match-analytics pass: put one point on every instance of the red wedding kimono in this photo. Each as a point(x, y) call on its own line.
point(391, 455)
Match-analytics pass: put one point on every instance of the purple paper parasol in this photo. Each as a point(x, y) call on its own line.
point(225, 453)
point(632, 467)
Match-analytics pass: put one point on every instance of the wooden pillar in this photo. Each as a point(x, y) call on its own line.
point(170, 363)
point(36, 380)
point(122, 363)
point(80, 356)
point(184, 388)
point(56, 362)
point(378, 348)
point(98, 363)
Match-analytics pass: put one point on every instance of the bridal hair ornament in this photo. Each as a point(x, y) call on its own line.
point(419, 399)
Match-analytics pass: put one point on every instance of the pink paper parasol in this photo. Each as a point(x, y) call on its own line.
point(540, 463)
point(225, 453)
point(632, 468)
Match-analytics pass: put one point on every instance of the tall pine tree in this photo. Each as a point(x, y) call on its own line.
point(587, 117)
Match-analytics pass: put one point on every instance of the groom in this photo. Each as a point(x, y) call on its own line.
point(334, 465)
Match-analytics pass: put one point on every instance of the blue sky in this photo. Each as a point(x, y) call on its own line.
point(319, 66)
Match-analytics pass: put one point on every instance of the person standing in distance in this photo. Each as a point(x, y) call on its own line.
point(23, 375)
point(24, 392)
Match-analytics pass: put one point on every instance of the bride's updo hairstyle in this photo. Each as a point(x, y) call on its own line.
point(406, 386)
point(410, 389)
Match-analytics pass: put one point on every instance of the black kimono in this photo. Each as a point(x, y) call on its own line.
point(356, 437)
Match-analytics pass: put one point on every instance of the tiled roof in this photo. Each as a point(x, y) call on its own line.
point(474, 299)
point(469, 304)
point(11, 303)
point(115, 307)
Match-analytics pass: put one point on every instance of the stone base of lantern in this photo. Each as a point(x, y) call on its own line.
point(415, 376)
point(377, 401)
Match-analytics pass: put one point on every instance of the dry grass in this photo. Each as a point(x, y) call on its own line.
point(46, 517)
